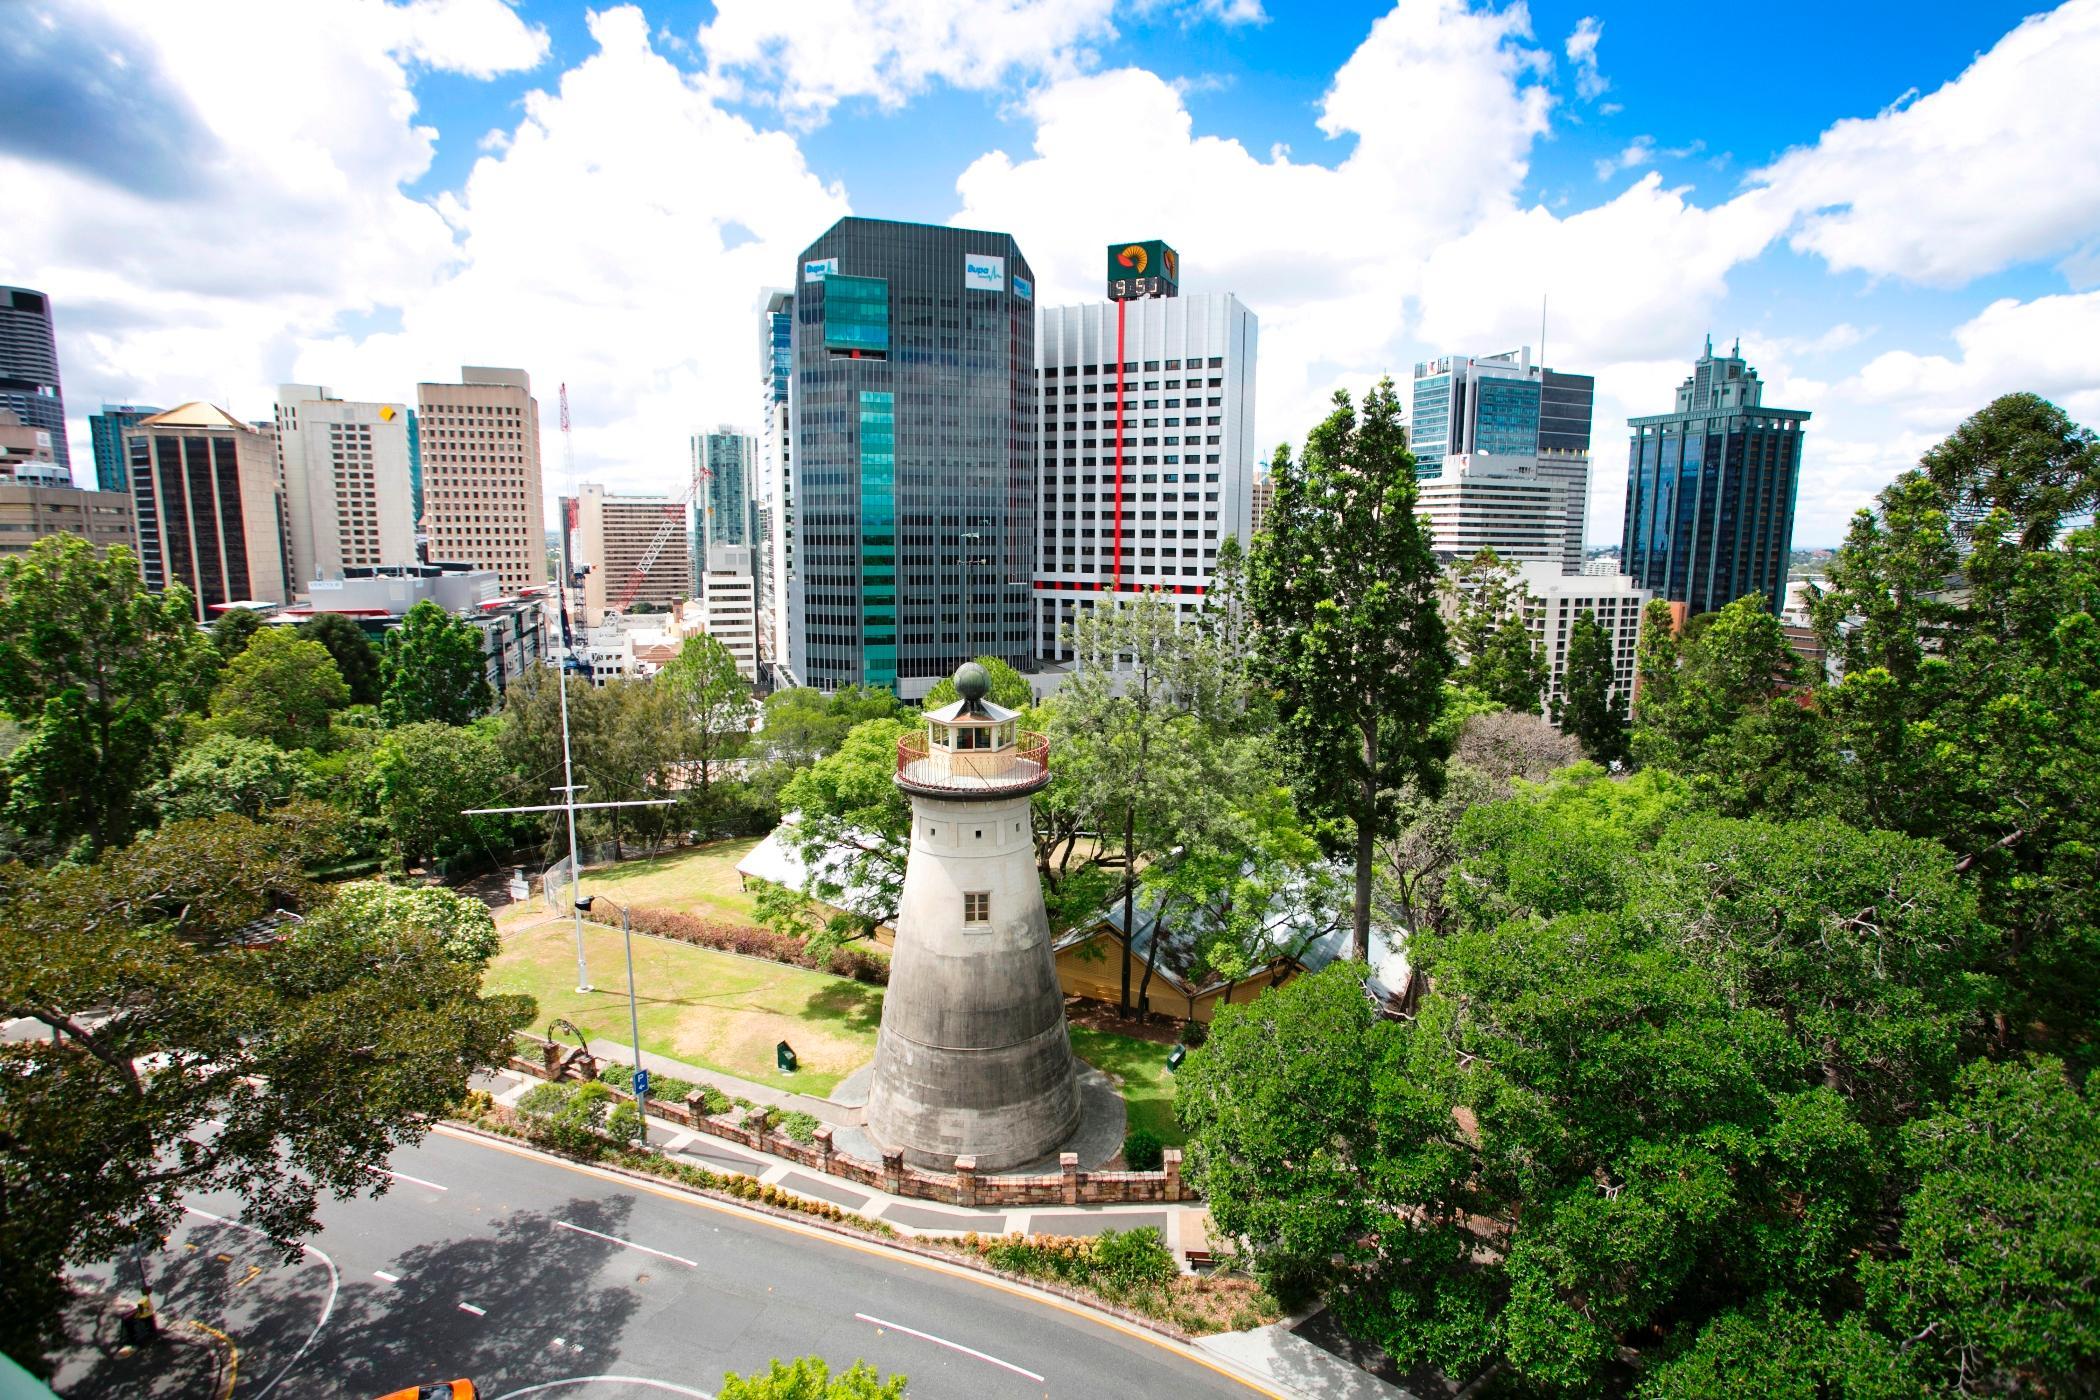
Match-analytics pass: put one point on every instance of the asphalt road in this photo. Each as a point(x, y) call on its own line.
point(539, 1279)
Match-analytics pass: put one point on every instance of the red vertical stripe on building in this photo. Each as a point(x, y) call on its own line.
point(1116, 565)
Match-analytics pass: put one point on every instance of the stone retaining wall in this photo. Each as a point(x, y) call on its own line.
point(963, 1187)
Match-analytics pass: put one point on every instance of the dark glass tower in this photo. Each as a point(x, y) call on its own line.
point(913, 474)
point(106, 433)
point(29, 366)
point(1710, 490)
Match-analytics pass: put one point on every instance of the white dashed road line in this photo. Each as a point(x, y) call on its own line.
point(470, 1308)
point(404, 1176)
point(384, 1277)
point(952, 1346)
point(615, 1239)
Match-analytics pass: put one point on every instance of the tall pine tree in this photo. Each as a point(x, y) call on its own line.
point(1588, 710)
point(1343, 592)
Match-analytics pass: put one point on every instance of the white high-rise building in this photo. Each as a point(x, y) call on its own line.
point(729, 608)
point(1558, 599)
point(349, 482)
point(773, 541)
point(616, 536)
point(1507, 504)
point(1188, 447)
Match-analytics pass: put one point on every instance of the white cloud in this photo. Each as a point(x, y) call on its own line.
point(1582, 52)
point(479, 38)
point(1232, 11)
point(814, 54)
point(2012, 345)
point(1992, 170)
point(1638, 152)
point(1443, 103)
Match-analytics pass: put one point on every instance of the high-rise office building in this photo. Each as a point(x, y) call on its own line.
point(1482, 501)
point(210, 512)
point(725, 462)
point(479, 443)
point(729, 607)
point(773, 542)
point(616, 535)
point(37, 497)
point(1188, 452)
point(106, 436)
point(1710, 490)
point(29, 386)
point(1264, 502)
point(1505, 406)
point(348, 482)
point(914, 420)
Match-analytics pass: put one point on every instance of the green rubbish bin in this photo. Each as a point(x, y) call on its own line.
point(784, 1056)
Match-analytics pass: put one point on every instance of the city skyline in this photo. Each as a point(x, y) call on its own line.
point(477, 207)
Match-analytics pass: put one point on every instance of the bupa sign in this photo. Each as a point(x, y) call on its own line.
point(984, 274)
point(817, 269)
point(1023, 288)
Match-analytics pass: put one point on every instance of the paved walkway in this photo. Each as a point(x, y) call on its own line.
point(823, 1110)
point(1278, 1354)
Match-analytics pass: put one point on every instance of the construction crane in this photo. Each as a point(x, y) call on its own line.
point(673, 521)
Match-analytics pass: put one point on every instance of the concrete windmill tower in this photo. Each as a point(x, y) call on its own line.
point(973, 1058)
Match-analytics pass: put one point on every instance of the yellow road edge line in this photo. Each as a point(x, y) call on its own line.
point(989, 1280)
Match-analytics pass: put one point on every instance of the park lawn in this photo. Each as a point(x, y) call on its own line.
point(699, 880)
point(710, 1009)
point(1140, 1067)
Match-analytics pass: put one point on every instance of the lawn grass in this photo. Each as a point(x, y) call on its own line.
point(1140, 1066)
point(699, 880)
point(710, 1009)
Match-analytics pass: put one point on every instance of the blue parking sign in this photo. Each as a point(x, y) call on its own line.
point(641, 1082)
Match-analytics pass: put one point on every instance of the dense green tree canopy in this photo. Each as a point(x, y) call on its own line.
point(429, 774)
point(99, 672)
point(809, 1378)
point(433, 669)
point(355, 657)
point(1342, 588)
point(224, 773)
point(281, 689)
point(271, 1074)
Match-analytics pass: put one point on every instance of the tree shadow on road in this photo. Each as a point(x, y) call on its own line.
point(543, 1309)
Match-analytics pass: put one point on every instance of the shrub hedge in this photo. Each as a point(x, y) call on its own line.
point(753, 942)
point(1143, 1151)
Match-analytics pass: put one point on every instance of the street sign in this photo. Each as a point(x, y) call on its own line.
point(641, 1082)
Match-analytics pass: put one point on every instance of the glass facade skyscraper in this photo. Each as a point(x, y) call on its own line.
point(913, 472)
point(1504, 406)
point(106, 434)
point(1710, 490)
point(29, 367)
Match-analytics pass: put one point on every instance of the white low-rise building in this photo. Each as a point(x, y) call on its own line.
point(1558, 599)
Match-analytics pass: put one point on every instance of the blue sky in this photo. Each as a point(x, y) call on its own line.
point(1878, 199)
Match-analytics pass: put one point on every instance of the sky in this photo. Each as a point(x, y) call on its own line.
point(1894, 207)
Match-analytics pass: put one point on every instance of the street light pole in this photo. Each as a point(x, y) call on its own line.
point(634, 1016)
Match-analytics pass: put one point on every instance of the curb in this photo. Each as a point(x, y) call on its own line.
point(901, 1244)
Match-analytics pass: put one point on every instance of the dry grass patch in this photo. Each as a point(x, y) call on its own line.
point(709, 1009)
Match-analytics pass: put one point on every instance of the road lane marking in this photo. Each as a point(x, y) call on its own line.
point(674, 1258)
point(404, 1176)
point(952, 1346)
point(470, 1308)
point(384, 1277)
point(623, 1380)
point(997, 1283)
point(335, 1282)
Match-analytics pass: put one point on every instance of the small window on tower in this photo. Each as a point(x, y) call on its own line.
point(977, 907)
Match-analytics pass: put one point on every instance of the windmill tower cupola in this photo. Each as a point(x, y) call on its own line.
point(974, 745)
